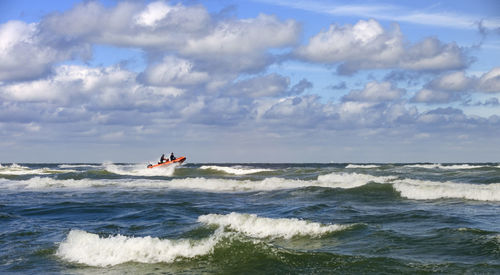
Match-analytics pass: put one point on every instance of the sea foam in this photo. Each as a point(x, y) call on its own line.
point(363, 166)
point(260, 227)
point(445, 167)
point(18, 170)
point(333, 180)
point(351, 180)
point(238, 170)
point(429, 190)
point(91, 249)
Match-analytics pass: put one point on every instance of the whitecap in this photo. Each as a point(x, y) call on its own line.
point(261, 227)
point(362, 166)
point(351, 180)
point(18, 170)
point(333, 180)
point(66, 166)
point(238, 170)
point(91, 249)
point(430, 190)
point(460, 166)
point(446, 166)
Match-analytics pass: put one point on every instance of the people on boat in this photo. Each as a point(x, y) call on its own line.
point(172, 156)
point(162, 159)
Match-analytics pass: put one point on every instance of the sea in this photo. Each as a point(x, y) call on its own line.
point(250, 218)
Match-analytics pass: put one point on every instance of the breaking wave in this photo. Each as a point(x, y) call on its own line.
point(65, 166)
point(18, 170)
point(430, 190)
point(446, 166)
point(238, 170)
point(334, 180)
point(351, 180)
point(91, 249)
point(259, 227)
point(364, 166)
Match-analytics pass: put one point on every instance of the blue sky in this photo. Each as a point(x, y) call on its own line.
point(250, 81)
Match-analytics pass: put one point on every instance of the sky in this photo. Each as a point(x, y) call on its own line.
point(250, 81)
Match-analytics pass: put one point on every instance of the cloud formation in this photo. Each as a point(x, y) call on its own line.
point(454, 86)
point(366, 45)
point(25, 55)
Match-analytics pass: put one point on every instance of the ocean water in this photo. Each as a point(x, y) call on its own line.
point(250, 218)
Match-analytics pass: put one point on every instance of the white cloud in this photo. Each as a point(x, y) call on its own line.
point(454, 81)
point(24, 54)
point(244, 36)
point(173, 71)
point(434, 96)
point(366, 45)
point(261, 86)
point(375, 92)
point(490, 82)
point(153, 13)
point(128, 24)
point(453, 86)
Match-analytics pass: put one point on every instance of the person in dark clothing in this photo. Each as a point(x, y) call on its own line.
point(172, 156)
point(162, 159)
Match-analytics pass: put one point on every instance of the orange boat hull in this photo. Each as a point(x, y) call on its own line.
point(177, 160)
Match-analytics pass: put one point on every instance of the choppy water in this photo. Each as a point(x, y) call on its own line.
point(250, 218)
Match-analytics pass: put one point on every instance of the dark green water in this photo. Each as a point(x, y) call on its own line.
point(250, 219)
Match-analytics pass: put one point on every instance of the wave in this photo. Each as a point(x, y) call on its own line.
point(18, 170)
point(238, 170)
point(91, 249)
point(65, 166)
point(259, 227)
point(445, 166)
point(351, 180)
point(42, 183)
point(140, 170)
point(334, 180)
point(364, 166)
point(430, 190)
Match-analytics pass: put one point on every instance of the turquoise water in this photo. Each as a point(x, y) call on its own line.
point(250, 218)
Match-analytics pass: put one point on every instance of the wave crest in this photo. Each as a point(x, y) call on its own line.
point(429, 190)
point(18, 170)
point(259, 227)
point(363, 166)
point(238, 170)
point(91, 249)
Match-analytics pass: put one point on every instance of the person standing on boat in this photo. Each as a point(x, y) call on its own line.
point(172, 156)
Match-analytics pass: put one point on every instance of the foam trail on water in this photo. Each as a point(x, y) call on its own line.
point(91, 249)
point(260, 227)
point(238, 170)
point(430, 190)
point(141, 170)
